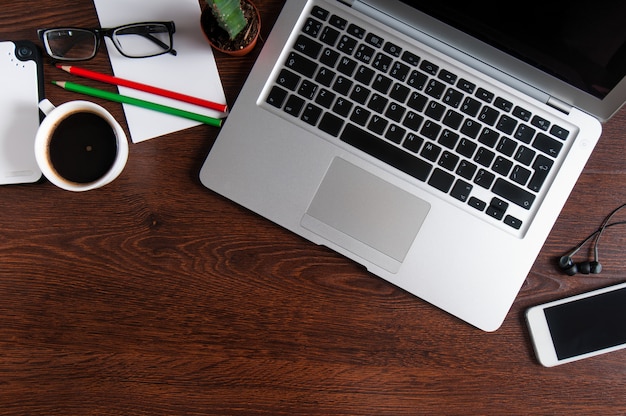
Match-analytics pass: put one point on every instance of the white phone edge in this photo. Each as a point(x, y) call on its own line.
point(540, 333)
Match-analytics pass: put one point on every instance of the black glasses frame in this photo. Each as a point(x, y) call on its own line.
point(100, 33)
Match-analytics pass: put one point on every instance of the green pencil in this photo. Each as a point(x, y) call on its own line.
point(94, 92)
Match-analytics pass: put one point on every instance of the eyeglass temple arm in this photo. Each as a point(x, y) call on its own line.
point(158, 42)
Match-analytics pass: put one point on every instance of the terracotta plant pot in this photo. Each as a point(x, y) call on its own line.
point(218, 38)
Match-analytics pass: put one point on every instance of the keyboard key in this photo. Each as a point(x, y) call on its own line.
point(447, 76)
point(325, 76)
point(435, 88)
point(377, 103)
point(382, 83)
point(276, 97)
point(466, 147)
point(477, 203)
point(399, 71)
point(547, 145)
point(364, 75)
point(524, 133)
point(513, 193)
point(540, 123)
point(395, 133)
point(338, 22)
point(503, 104)
point(307, 89)
point(466, 169)
point(461, 190)
point(360, 116)
point(320, 13)
point(312, 27)
point(430, 151)
point(413, 142)
point(541, 167)
point(347, 44)
point(325, 98)
point(484, 178)
point(399, 92)
point(506, 124)
point(417, 101)
point(441, 180)
point(346, 66)
point(466, 86)
point(412, 121)
point(429, 67)
point(329, 57)
point(395, 112)
point(453, 97)
point(386, 152)
point(364, 53)
point(308, 46)
point(497, 208)
point(470, 128)
point(377, 124)
point(488, 115)
point(559, 132)
point(513, 222)
point(430, 130)
point(521, 113)
point(448, 139)
point(470, 106)
point(329, 36)
point(374, 40)
point(520, 174)
point(294, 105)
point(382, 62)
point(502, 166)
point(435, 110)
point(342, 107)
point(417, 80)
point(301, 65)
point(506, 146)
point(356, 31)
point(331, 124)
point(484, 95)
point(452, 119)
point(448, 160)
point(311, 114)
point(360, 94)
point(392, 49)
point(410, 58)
point(288, 79)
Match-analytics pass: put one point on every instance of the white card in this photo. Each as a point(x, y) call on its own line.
point(192, 71)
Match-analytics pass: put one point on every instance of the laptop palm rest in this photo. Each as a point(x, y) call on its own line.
point(365, 215)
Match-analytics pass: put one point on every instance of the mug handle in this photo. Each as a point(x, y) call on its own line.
point(46, 106)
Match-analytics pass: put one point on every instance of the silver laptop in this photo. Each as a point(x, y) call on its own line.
point(439, 157)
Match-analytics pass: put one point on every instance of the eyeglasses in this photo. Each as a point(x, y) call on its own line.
point(137, 40)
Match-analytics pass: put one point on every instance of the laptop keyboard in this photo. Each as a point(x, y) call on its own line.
point(430, 122)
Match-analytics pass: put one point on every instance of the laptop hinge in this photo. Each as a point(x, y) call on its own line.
point(559, 105)
point(346, 2)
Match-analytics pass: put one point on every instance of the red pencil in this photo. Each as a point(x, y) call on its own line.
point(85, 73)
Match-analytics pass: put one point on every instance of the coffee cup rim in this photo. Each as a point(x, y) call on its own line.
point(43, 136)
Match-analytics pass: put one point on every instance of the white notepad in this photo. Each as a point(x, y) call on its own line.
point(192, 71)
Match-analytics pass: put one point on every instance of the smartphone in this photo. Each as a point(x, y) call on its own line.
point(580, 326)
point(21, 83)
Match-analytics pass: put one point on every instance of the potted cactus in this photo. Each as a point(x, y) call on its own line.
point(231, 26)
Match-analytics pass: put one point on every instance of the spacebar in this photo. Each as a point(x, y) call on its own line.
point(386, 152)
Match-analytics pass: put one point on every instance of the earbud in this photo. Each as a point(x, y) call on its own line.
point(566, 263)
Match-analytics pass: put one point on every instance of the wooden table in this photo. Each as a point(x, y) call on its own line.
point(155, 296)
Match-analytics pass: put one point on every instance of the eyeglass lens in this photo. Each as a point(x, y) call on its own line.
point(134, 41)
point(71, 44)
point(142, 40)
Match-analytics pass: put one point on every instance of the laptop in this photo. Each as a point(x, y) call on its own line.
point(433, 144)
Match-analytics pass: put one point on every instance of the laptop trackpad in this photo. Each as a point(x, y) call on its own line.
point(365, 215)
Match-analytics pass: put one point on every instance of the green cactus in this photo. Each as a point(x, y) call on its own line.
point(229, 15)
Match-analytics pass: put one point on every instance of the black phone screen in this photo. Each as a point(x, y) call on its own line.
point(588, 324)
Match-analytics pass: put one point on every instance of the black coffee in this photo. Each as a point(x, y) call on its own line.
point(83, 147)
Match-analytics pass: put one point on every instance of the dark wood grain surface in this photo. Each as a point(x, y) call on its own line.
point(155, 296)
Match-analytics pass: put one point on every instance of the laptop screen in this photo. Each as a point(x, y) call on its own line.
point(581, 43)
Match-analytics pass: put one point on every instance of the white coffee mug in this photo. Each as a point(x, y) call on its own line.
point(79, 145)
